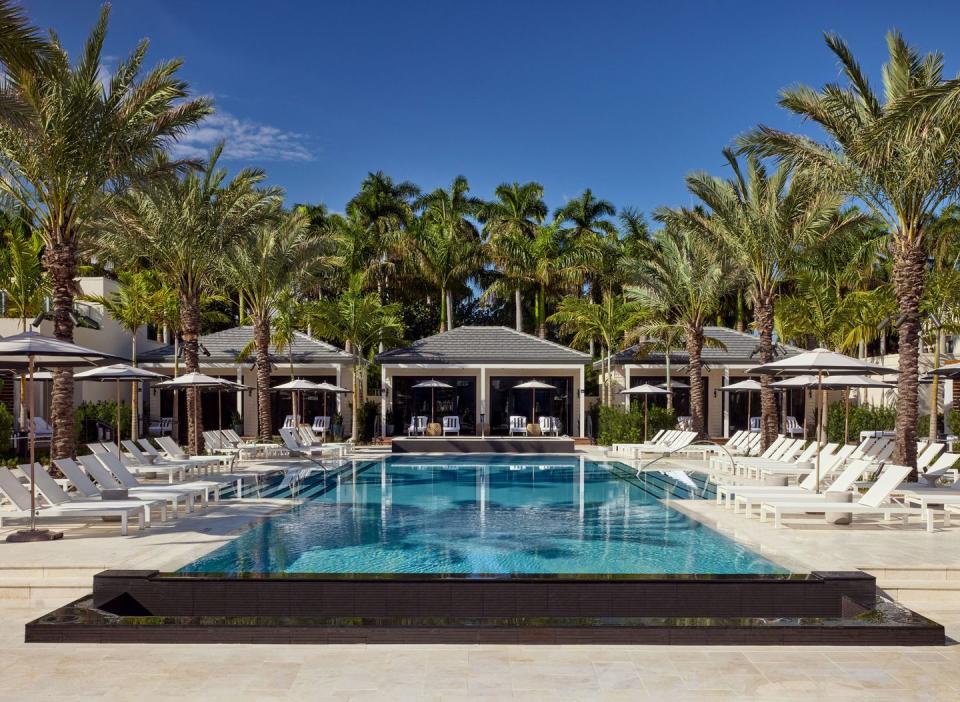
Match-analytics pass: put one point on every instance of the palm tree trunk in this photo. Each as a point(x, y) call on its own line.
point(542, 312)
point(134, 387)
point(60, 260)
point(443, 309)
point(449, 302)
point(763, 317)
point(909, 273)
point(190, 322)
point(354, 410)
point(694, 351)
point(261, 340)
point(518, 309)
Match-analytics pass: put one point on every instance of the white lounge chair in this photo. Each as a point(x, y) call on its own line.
point(19, 496)
point(518, 425)
point(292, 444)
point(321, 425)
point(160, 427)
point(873, 501)
point(418, 425)
point(549, 426)
point(173, 450)
point(451, 425)
point(87, 488)
point(202, 488)
point(290, 421)
point(792, 427)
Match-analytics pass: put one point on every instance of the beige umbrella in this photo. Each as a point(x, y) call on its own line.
point(533, 386)
point(823, 363)
point(29, 350)
point(330, 387)
point(747, 386)
point(433, 385)
point(119, 372)
point(646, 390)
point(197, 381)
point(296, 387)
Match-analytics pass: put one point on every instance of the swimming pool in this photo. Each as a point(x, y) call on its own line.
point(485, 515)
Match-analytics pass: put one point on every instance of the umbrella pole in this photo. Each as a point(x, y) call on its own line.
point(118, 418)
point(219, 408)
point(846, 414)
point(646, 405)
point(533, 404)
point(433, 404)
point(33, 450)
point(819, 422)
point(749, 409)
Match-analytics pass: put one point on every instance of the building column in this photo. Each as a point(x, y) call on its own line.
point(240, 392)
point(583, 402)
point(385, 394)
point(482, 395)
point(626, 386)
point(726, 404)
point(339, 404)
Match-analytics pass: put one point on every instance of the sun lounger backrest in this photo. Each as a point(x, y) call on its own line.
point(658, 435)
point(171, 447)
point(929, 454)
point(286, 434)
point(784, 450)
point(885, 451)
point(943, 463)
point(77, 477)
point(772, 448)
point(138, 455)
point(862, 448)
point(888, 481)
point(96, 470)
point(790, 454)
point(849, 475)
point(808, 453)
point(46, 485)
point(149, 447)
point(115, 466)
point(734, 440)
point(14, 490)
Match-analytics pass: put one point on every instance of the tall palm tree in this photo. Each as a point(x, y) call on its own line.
point(77, 143)
point(180, 226)
point(518, 210)
point(21, 47)
point(132, 306)
point(609, 321)
point(360, 321)
point(550, 263)
point(22, 278)
point(681, 282)
point(263, 264)
point(446, 243)
point(897, 153)
point(762, 221)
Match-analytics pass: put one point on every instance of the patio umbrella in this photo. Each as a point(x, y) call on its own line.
point(28, 350)
point(747, 386)
point(118, 372)
point(646, 390)
point(433, 385)
point(822, 363)
point(330, 387)
point(227, 384)
point(674, 385)
point(800, 381)
point(197, 381)
point(296, 387)
point(533, 386)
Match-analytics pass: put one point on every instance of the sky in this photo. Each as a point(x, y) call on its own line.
point(624, 98)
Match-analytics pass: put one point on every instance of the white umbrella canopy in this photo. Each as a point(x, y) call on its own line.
point(674, 385)
point(191, 380)
point(296, 386)
point(821, 362)
point(646, 390)
point(118, 372)
point(797, 381)
point(28, 350)
point(326, 387)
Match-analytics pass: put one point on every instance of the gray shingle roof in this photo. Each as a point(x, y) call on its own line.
point(740, 348)
point(483, 345)
point(224, 346)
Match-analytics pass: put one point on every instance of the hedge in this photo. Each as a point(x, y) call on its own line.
point(615, 425)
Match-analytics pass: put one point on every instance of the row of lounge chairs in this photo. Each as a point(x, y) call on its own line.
point(663, 442)
point(842, 470)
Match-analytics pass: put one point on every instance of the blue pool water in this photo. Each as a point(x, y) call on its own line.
point(485, 515)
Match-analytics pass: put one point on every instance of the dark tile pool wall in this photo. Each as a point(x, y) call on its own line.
point(813, 595)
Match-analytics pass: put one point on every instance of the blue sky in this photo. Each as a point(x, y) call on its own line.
point(624, 98)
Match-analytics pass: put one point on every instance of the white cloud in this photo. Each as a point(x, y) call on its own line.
point(245, 140)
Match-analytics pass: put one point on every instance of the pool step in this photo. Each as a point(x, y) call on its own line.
point(920, 587)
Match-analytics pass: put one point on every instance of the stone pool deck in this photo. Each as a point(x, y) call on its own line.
point(405, 672)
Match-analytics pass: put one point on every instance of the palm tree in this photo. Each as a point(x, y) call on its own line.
point(75, 144)
point(609, 321)
point(132, 306)
point(446, 244)
point(517, 211)
point(681, 283)
point(24, 283)
point(360, 321)
point(22, 47)
point(180, 225)
point(263, 264)
point(898, 154)
point(763, 222)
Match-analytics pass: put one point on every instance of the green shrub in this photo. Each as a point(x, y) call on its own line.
point(366, 416)
point(6, 428)
point(615, 425)
point(88, 413)
point(923, 426)
point(861, 419)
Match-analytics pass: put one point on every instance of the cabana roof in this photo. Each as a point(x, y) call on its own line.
point(224, 347)
point(484, 345)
